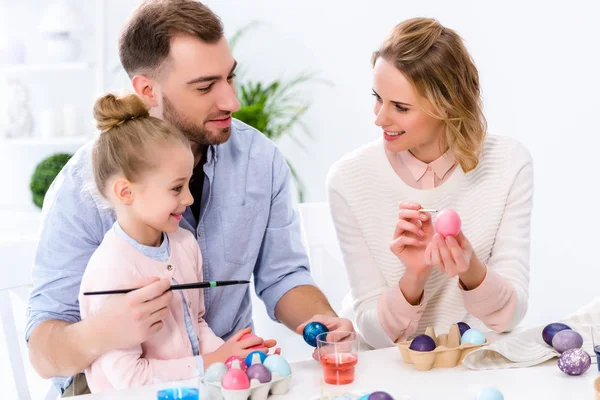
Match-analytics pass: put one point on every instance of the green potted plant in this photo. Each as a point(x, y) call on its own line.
point(44, 174)
point(274, 107)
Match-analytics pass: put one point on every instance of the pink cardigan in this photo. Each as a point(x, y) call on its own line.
point(168, 354)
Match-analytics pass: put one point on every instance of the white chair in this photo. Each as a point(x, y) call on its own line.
point(327, 264)
point(17, 250)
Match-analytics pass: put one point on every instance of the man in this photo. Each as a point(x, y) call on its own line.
point(181, 65)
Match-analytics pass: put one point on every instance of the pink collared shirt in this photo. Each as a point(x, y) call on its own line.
point(420, 175)
point(493, 301)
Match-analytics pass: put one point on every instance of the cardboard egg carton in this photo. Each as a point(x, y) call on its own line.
point(448, 352)
point(257, 390)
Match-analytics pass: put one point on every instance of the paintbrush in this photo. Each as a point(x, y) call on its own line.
point(184, 286)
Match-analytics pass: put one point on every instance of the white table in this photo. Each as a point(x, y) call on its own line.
point(384, 370)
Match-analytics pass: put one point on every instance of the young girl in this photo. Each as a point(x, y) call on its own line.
point(433, 153)
point(142, 166)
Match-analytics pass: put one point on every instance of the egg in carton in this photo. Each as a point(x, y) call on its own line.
point(266, 375)
point(443, 351)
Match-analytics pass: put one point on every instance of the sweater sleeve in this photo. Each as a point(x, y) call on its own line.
point(383, 316)
point(500, 302)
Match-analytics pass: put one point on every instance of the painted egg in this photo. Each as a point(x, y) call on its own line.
point(365, 397)
point(242, 365)
point(215, 372)
point(574, 362)
point(552, 329)
point(490, 394)
point(255, 357)
point(277, 364)
point(259, 372)
point(447, 223)
point(380, 396)
point(249, 336)
point(473, 336)
point(463, 327)
point(235, 379)
point(567, 339)
point(422, 343)
point(311, 331)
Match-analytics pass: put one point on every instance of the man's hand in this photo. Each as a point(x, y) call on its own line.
point(332, 323)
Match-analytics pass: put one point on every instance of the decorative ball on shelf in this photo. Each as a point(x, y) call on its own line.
point(44, 174)
point(312, 330)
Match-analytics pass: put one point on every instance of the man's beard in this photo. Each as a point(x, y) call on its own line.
point(194, 133)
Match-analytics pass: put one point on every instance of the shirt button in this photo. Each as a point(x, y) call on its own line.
point(428, 168)
point(199, 234)
point(189, 304)
point(169, 267)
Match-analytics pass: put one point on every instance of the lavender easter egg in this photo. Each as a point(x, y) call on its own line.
point(463, 327)
point(422, 343)
point(552, 329)
point(380, 396)
point(311, 331)
point(448, 223)
point(574, 362)
point(567, 339)
point(259, 372)
point(235, 379)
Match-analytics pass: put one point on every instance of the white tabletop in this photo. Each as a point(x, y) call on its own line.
point(384, 370)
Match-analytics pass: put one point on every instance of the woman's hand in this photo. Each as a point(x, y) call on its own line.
point(454, 256)
point(413, 233)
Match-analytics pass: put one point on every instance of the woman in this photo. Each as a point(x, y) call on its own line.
point(433, 154)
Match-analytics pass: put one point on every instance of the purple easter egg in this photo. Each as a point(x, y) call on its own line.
point(567, 339)
point(380, 396)
point(260, 372)
point(463, 327)
point(574, 362)
point(422, 343)
point(552, 329)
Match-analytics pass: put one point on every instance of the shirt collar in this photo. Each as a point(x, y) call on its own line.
point(418, 168)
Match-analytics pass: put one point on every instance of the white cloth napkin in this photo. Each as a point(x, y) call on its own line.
point(527, 348)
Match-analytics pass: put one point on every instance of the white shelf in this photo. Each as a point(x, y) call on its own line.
point(53, 141)
point(63, 67)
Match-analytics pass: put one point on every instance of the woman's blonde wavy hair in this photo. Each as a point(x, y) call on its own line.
point(436, 62)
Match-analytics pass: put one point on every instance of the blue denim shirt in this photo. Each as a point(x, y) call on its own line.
point(247, 227)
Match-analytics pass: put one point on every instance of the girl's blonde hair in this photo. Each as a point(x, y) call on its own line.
point(435, 61)
point(129, 138)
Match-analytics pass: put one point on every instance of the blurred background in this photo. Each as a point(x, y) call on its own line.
point(538, 62)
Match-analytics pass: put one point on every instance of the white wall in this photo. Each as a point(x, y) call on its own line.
point(538, 62)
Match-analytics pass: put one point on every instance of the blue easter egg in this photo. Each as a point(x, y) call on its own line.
point(215, 372)
point(277, 364)
point(552, 329)
point(311, 331)
point(365, 397)
point(472, 336)
point(262, 356)
point(490, 394)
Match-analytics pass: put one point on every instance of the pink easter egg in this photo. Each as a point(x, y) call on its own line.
point(230, 361)
point(249, 336)
point(447, 223)
point(235, 379)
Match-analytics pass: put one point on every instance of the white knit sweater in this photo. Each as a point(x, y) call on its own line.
point(495, 204)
